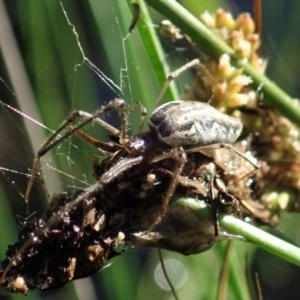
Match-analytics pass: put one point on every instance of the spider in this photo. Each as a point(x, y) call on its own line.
point(175, 129)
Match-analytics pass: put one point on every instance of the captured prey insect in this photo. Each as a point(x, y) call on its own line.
point(74, 241)
point(176, 129)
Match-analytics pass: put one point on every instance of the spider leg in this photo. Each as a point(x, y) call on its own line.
point(213, 204)
point(114, 131)
point(109, 147)
point(173, 75)
point(143, 116)
point(202, 149)
point(117, 103)
point(55, 138)
point(119, 168)
point(180, 158)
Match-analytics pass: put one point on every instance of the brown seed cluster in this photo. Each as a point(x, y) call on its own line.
point(271, 138)
point(226, 86)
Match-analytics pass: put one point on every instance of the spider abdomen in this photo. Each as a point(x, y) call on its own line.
point(190, 123)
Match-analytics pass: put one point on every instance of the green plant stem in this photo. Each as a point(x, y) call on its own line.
point(248, 232)
point(213, 46)
point(262, 239)
point(155, 52)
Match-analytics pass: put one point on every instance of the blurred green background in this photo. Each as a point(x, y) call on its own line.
point(43, 77)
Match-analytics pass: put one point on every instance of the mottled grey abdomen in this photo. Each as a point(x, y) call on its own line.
point(191, 123)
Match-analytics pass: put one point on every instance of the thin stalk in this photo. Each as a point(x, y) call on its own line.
point(245, 231)
point(262, 239)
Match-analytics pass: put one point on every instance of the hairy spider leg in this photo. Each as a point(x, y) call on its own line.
point(109, 146)
point(213, 198)
point(173, 75)
point(143, 114)
point(179, 155)
point(126, 163)
point(114, 131)
point(52, 141)
point(230, 147)
point(212, 173)
point(176, 73)
point(119, 168)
